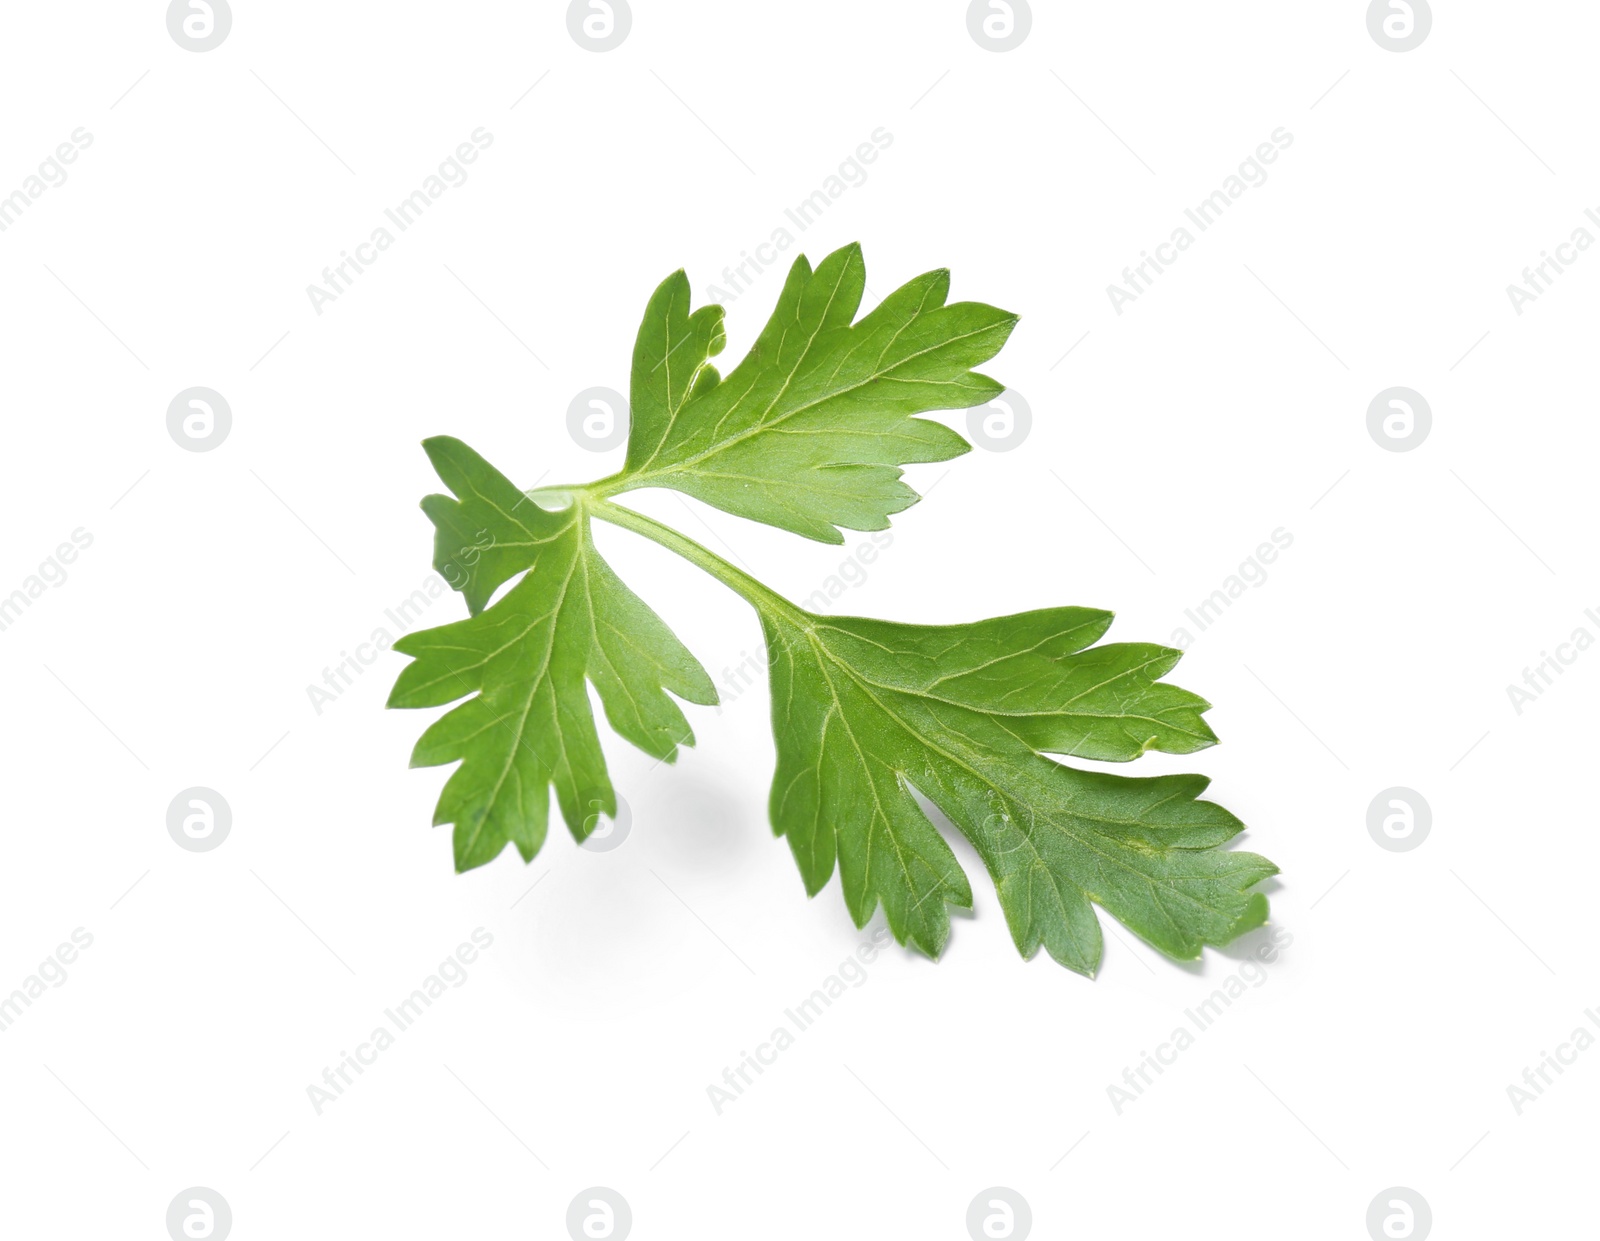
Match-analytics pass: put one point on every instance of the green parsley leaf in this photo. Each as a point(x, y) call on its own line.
point(526, 658)
point(807, 434)
point(809, 431)
point(865, 711)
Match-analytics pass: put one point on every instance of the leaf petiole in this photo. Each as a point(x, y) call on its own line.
point(737, 580)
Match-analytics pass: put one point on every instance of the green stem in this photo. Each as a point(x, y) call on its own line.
point(610, 485)
point(741, 583)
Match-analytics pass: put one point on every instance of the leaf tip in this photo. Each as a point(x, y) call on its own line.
point(437, 445)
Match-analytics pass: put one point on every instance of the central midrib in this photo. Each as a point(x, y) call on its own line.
point(628, 483)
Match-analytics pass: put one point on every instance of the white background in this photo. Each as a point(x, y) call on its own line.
point(1170, 442)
